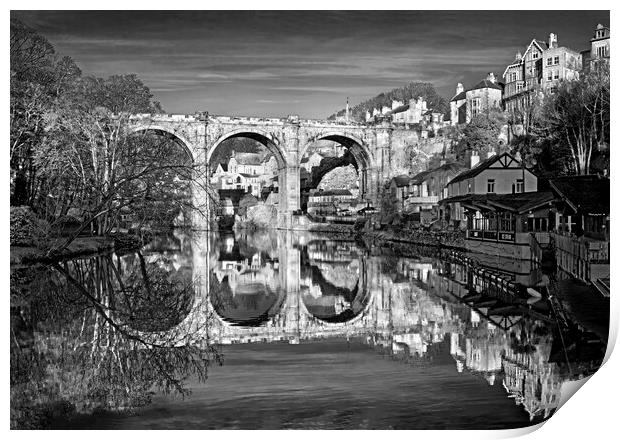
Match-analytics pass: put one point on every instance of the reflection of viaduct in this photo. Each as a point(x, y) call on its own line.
point(372, 147)
point(375, 292)
point(292, 321)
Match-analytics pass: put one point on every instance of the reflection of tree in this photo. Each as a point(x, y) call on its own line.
point(103, 340)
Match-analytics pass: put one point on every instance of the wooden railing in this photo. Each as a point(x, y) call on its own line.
point(577, 255)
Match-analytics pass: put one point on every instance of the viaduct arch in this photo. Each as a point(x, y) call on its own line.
point(288, 139)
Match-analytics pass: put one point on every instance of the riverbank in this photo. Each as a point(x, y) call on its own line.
point(438, 239)
point(79, 247)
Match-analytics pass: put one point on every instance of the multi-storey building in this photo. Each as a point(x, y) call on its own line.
point(246, 171)
point(543, 64)
point(559, 63)
point(479, 99)
point(599, 47)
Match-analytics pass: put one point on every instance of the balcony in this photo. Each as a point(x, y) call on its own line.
point(428, 200)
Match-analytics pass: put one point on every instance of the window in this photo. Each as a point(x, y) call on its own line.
point(537, 224)
point(513, 76)
point(556, 59)
point(475, 106)
point(491, 185)
point(519, 187)
point(549, 61)
point(601, 51)
point(534, 55)
point(468, 187)
point(519, 87)
point(549, 75)
point(556, 74)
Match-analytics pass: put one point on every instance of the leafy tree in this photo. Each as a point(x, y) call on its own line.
point(39, 78)
point(480, 135)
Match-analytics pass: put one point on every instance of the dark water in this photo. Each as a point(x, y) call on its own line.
point(281, 330)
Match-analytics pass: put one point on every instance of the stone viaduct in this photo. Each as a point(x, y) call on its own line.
point(379, 150)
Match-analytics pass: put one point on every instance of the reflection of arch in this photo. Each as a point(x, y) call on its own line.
point(254, 321)
point(169, 134)
point(362, 154)
point(259, 136)
point(359, 298)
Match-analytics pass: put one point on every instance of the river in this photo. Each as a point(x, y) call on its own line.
point(278, 330)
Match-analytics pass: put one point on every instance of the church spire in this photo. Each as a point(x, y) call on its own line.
point(347, 111)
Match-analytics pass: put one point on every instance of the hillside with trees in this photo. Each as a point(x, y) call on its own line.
point(404, 94)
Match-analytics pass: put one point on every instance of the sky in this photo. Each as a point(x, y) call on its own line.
point(278, 63)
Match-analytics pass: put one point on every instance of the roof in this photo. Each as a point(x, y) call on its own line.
point(419, 178)
point(518, 202)
point(486, 84)
point(538, 43)
point(224, 166)
point(589, 193)
point(521, 202)
point(400, 109)
point(331, 192)
point(479, 168)
point(249, 175)
point(459, 96)
point(402, 180)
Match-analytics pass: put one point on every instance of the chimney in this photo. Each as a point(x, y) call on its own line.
point(491, 77)
point(553, 40)
point(459, 88)
point(474, 159)
point(518, 56)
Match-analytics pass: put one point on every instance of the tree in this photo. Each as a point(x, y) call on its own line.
point(578, 116)
point(92, 162)
point(39, 78)
point(480, 135)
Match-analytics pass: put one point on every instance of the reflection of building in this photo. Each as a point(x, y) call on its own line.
point(402, 305)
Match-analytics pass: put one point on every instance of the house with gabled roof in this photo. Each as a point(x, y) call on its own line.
point(542, 65)
point(499, 174)
point(427, 188)
point(479, 99)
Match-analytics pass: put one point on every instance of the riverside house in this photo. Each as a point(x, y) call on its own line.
point(427, 188)
point(499, 174)
point(581, 232)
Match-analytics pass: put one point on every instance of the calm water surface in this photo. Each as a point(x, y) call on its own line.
point(273, 330)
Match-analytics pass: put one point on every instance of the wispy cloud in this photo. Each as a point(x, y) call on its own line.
point(275, 63)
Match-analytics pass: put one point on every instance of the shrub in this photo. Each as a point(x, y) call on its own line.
point(26, 228)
